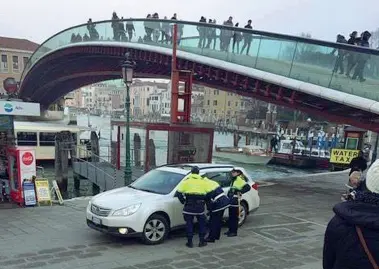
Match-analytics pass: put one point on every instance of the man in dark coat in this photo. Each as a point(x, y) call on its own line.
point(358, 163)
point(343, 248)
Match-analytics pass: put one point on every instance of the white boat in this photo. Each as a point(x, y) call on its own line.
point(246, 155)
point(40, 136)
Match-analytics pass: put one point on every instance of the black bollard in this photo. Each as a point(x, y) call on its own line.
point(137, 150)
point(76, 185)
point(152, 158)
point(95, 189)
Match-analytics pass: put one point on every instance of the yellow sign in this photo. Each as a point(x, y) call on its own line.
point(343, 156)
point(43, 191)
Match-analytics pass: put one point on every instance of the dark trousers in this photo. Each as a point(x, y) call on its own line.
point(215, 224)
point(339, 64)
point(189, 226)
point(233, 219)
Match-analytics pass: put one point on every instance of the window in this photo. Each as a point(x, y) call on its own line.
point(242, 104)
point(222, 178)
point(236, 103)
point(157, 181)
point(15, 63)
point(4, 62)
point(215, 111)
point(26, 139)
point(47, 139)
point(229, 103)
point(203, 111)
point(208, 102)
point(147, 101)
point(215, 102)
point(214, 92)
point(25, 60)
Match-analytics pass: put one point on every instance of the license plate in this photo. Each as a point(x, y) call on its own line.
point(96, 221)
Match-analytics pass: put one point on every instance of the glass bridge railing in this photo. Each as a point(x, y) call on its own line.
point(345, 68)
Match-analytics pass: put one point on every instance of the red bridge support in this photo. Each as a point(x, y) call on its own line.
point(178, 76)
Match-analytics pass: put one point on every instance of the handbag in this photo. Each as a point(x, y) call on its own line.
point(364, 245)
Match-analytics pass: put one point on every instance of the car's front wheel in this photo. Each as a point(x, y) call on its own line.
point(155, 230)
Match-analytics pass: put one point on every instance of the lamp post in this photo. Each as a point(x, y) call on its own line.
point(127, 74)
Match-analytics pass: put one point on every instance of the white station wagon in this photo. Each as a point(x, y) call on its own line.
point(148, 209)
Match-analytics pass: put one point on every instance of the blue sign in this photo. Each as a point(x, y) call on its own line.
point(8, 107)
point(29, 193)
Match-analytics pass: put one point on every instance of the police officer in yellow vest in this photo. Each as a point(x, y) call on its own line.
point(237, 188)
point(192, 192)
point(217, 203)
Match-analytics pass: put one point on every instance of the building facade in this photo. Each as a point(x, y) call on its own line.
point(14, 55)
point(221, 106)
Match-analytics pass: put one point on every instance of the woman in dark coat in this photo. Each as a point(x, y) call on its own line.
point(343, 248)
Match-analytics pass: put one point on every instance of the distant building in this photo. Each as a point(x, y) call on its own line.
point(74, 99)
point(221, 106)
point(14, 55)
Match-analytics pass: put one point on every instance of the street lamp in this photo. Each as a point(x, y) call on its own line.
point(127, 74)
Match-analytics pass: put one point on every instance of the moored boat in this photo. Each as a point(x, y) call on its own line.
point(246, 154)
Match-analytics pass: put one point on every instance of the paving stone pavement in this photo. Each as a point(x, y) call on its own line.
point(286, 232)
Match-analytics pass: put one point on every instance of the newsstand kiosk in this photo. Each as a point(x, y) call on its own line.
point(21, 169)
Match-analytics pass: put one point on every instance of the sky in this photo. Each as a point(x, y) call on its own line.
point(37, 20)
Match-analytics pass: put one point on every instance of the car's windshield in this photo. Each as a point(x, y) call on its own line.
point(158, 181)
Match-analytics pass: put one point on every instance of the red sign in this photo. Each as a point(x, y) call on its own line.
point(27, 158)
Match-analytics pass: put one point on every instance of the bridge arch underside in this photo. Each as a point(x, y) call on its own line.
point(65, 70)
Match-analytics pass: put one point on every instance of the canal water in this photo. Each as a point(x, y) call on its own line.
point(257, 172)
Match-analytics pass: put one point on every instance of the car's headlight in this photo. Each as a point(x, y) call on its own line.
point(127, 211)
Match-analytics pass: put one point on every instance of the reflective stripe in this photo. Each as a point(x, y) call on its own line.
point(218, 197)
point(191, 213)
point(234, 206)
point(225, 207)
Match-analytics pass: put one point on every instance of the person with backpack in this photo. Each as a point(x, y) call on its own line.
point(352, 235)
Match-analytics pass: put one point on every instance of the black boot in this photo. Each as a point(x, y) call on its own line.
point(189, 244)
point(202, 243)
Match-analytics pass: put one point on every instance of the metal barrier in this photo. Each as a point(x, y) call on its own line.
point(102, 173)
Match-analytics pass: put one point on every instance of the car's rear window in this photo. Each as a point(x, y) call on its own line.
point(158, 181)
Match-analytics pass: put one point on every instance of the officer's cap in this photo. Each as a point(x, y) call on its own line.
point(236, 170)
point(195, 170)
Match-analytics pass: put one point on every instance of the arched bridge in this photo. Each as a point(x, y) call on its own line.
point(291, 71)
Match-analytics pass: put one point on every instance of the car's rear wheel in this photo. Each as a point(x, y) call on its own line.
point(155, 230)
point(243, 213)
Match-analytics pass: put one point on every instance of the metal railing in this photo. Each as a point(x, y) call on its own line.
point(98, 170)
point(299, 58)
point(94, 173)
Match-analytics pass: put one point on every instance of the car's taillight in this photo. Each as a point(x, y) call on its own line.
point(255, 186)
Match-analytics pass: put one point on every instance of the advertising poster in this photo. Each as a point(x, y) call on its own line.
point(27, 164)
point(29, 194)
point(43, 191)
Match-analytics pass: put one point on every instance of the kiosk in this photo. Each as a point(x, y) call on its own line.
point(21, 168)
point(340, 158)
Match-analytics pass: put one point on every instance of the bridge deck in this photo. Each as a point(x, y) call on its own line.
point(104, 174)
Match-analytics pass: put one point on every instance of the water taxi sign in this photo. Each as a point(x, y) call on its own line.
point(343, 156)
point(19, 108)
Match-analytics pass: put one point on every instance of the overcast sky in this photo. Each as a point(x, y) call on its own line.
point(323, 19)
